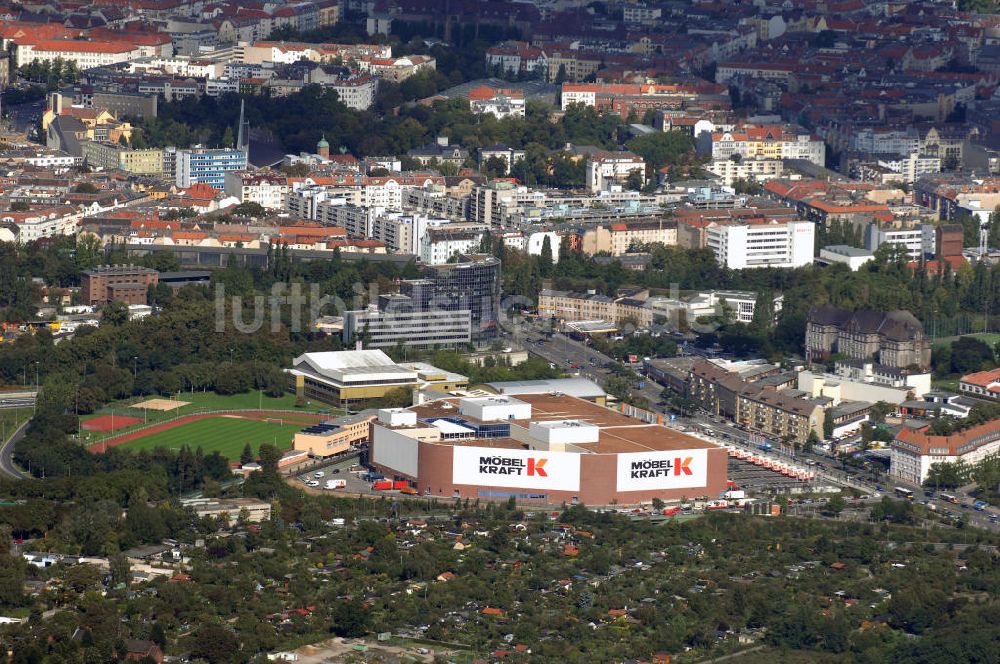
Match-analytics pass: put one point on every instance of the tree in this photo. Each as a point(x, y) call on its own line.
point(763, 312)
point(836, 505)
point(946, 475)
point(89, 251)
point(216, 644)
point(812, 440)
point(249, 209)
point(662, 149)
point(269, 457)
point(560, 75)
point(115, 313)
point(969, 354)
point(495, 167)
point(86, 188)
point(545, 257)
point(635, 180)
point(228, 140)
point(247, 455)
point(121, 571)
point(350, 619)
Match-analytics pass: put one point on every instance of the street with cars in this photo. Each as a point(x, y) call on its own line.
point(580, 359)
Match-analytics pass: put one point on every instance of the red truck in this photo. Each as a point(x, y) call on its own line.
point(382, 485)
point(400, 484)
point(671, 511)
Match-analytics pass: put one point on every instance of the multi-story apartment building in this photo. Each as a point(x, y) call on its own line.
point(357, 93)
point(114, 156)
point(605, 169)
point(781, 415)
point(39, 223)
point(915, 241)
point(618, 239)
point(404, 232)
point(894, 339)
point(85, 54)
point(766, 142)
point(399, 69)
point(951, 196)
point(573, 306)
point(914, 451)
point(440, 244)
point(266, 189)
point(751, 245)
point(624, 98)
point(778, 413)
point(514, 58)
point(487, 201)
point(208, 166)
point(756, 169)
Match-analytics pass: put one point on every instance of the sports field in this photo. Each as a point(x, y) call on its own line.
point(228, 435)
point(194, 403)
point(989, 338)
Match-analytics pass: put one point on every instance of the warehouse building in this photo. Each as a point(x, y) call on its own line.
point(546, 448)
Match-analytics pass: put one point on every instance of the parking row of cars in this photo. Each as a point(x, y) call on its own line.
point(328, 483)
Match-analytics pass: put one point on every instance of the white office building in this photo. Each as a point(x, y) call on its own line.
point(741, 246)
point(913, 240)
point(420, 329)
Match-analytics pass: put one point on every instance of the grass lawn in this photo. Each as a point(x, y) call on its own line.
point(990, 338)
point(12, 418)
point(228, 436)
point(199, 403)
point(950, 384)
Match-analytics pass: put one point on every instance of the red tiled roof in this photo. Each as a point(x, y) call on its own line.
point(78, 46)
point(982, 378)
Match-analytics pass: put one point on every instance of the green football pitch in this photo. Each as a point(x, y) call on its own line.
point(226, 435)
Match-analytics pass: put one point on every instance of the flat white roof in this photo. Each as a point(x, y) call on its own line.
point(345, 359)
point(353, 366)
point(450, 427)
point(564, 424)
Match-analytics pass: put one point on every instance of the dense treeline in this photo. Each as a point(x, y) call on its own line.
point(301, 119)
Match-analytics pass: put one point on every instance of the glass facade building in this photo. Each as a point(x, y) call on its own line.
point(471, 283)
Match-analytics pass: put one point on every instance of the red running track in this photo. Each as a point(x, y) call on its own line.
point(304, 419)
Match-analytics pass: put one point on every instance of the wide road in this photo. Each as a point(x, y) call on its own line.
point(7, 466)
point(11, 404)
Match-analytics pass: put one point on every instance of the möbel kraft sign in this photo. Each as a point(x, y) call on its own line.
point(518, 469)
point(653, 471)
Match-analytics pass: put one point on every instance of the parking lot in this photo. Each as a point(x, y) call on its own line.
point(337, 468)
point(757, 478)
point(347, 468)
